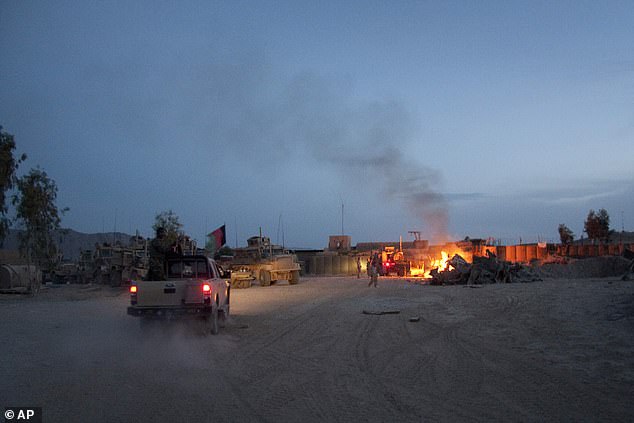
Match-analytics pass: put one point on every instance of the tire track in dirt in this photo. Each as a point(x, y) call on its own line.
point(370, 370)
point(280, 359)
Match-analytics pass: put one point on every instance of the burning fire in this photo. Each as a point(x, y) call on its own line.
point(417, 271)
point(424, 271)
point(440, 264)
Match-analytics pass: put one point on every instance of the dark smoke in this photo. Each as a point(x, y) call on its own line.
point(371, 139)
point(321, 119)
point(245, 107)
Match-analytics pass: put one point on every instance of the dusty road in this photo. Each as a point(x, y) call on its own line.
point(546, 351)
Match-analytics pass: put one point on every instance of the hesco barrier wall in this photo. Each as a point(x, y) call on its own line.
point(526, 252)
point(333, 264)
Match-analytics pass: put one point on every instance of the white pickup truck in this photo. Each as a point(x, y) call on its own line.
point(193, 289)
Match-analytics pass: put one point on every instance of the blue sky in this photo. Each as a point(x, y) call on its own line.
point(481, 119)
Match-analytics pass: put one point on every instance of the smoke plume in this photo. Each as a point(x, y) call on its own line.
point(368, 141)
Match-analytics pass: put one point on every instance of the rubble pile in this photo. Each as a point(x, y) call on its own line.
point(483, 270)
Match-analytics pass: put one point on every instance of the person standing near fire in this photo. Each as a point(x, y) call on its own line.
point(374, 271)
point(358, 267)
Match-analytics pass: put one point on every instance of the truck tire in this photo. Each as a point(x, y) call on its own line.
point(223, 316)
point(265, 278)
point(294, 279)
point(213, 321)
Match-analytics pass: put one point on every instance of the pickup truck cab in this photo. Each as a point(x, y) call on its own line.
point(193, 289)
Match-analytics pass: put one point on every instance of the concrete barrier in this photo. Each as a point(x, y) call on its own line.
point(345, 264)
point(336, 265)
point(603, 250)
point(510, 253)
point(520, 253)
point(320, 265)
point(586, 251)
point(327, 265)
point(500, 251)
point(531, 252)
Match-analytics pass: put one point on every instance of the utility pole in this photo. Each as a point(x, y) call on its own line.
point(235, 223)
point(342, 232)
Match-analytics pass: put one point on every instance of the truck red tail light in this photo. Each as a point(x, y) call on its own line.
point(133, 298)
point(207, 293)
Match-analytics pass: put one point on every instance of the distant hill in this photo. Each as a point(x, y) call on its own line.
point(71, 242)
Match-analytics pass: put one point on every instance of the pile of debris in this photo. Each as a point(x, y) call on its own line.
point(483, 270)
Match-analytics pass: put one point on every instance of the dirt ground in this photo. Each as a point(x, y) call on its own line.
point(559, 350)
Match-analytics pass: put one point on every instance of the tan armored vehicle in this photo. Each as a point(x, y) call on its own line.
point(86, 266)
point(66, 273)
point(264, 262)
point(116, 264)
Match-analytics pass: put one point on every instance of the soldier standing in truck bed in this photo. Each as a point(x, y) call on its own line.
point(159, 248)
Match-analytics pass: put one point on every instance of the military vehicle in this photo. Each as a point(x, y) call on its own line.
point(264, 262)
point(65, 273)
point(116, 265)
point(86, 266)
point(393, 262)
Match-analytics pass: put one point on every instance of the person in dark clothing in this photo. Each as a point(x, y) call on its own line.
point(374, 271)
point(158, 250)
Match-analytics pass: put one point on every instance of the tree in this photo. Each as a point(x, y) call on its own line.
point(38, 215)
point(170, 222)
point(597, 225)
point(8, 167)
point(565, 234)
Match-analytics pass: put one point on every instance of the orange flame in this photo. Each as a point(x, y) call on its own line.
point(441, 264)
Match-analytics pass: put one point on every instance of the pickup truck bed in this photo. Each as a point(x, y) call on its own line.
point(193, 289)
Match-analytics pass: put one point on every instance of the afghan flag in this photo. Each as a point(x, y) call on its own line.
point(219, 236)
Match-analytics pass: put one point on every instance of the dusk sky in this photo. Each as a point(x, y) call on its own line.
point(481, 119)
